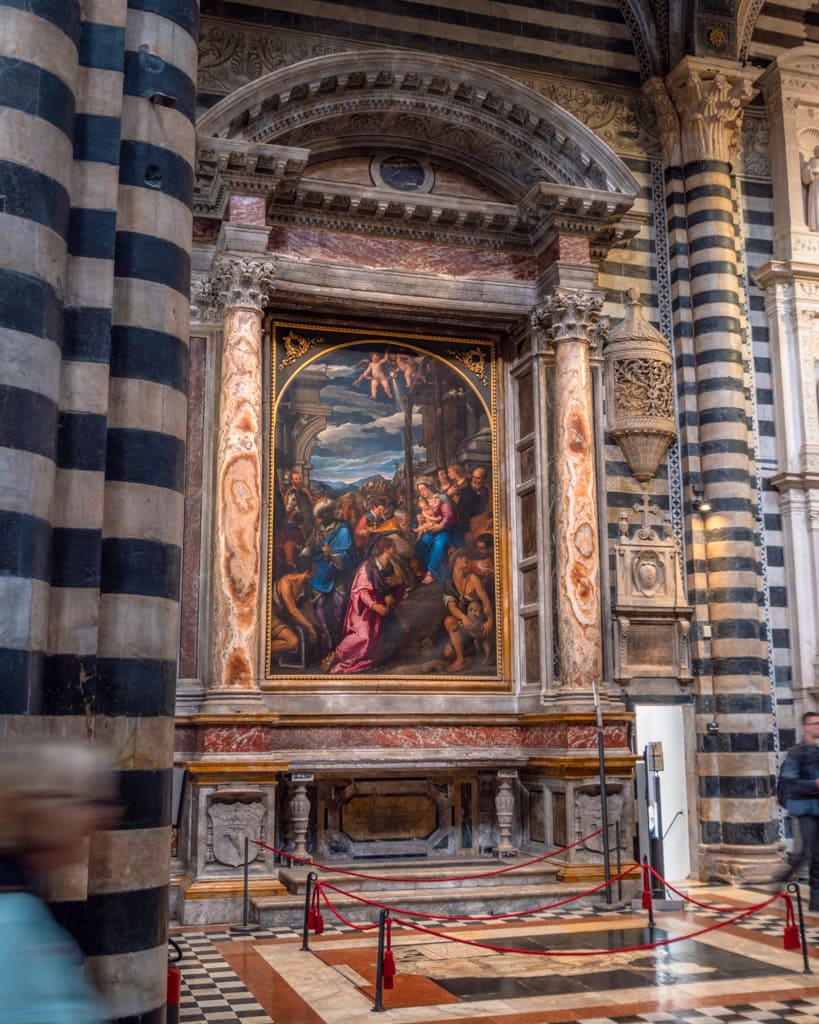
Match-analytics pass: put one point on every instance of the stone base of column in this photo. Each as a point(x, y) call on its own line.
point(741, 865)
point(225, 700)
point(573, 701)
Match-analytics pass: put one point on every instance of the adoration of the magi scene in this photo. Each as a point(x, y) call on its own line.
point(383, 523)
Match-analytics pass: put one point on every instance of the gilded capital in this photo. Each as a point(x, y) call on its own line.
point(237, 282)
point(710, 99)
point(571, 316)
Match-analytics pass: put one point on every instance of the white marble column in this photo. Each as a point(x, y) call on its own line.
point(571, 320)
point(242, 284)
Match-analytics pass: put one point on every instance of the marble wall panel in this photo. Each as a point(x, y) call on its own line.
point(401, 254)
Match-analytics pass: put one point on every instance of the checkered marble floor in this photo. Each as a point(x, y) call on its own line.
point(213, 993)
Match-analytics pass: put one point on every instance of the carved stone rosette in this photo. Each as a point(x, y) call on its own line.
point(639, 390)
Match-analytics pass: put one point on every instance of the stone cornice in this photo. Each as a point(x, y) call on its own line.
point(344, 207)
point(455, 111)
point(225, 166)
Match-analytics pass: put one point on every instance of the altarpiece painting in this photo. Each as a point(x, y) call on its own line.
point(383, 507)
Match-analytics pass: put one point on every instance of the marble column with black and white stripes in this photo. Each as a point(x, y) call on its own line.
point(96, 155)
point(739, 829)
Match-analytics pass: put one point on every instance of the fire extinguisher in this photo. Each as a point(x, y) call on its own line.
point(174, 983)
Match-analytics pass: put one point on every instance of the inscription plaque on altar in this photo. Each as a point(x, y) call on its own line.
point(394, 816)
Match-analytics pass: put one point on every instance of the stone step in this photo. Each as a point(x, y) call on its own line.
point(288, 911)
point(415, 875)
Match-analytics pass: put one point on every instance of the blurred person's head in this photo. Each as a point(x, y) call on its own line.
point(53, 794)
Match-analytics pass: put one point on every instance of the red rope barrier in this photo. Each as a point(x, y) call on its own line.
point(451, 878)
point(586, 952)
point(340, 916)
point(697, 903)
point(479, 917)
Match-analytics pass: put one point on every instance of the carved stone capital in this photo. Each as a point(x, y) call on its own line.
point(668, 120)
point(710, 99)
point(570, 316)
point(237, 282)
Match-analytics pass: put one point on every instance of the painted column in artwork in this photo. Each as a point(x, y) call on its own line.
point(241, 284)
point(571, 319)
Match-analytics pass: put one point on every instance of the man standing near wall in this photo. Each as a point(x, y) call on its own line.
point(800, 769)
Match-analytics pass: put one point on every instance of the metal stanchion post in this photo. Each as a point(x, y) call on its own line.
point(604, 810)
point(308, 892)
point(650, 904)
point(245, 926)
point(794, 888)
point(619, 861)
point(378, 1006)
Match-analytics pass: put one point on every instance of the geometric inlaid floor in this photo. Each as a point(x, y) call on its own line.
point(738, 974)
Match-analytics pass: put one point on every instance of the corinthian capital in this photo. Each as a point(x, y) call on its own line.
point(235, 282)
point(710, 101)
point(571, 316)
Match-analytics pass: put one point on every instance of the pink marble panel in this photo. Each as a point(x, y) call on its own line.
point(206, 230)
point(354, 170)
point(185, 739)
point(450, 183)
point(401, 254)
point(578, 559)
point(239, 503)
point(246, 210)
point(191, 550)
point(541, 737)
point(237, 739)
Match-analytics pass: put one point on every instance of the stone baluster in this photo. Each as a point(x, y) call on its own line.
point(505, 813)
point(299, 807)
point(572, 322)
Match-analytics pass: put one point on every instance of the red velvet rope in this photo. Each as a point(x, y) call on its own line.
point(480, 917)
point(450, 878)
point(588, 952)
point(697, 903)
point(350, 924)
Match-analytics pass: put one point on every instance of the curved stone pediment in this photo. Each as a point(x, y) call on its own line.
point(509, 136)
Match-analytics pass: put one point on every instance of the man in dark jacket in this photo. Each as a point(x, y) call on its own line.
point(801, 770)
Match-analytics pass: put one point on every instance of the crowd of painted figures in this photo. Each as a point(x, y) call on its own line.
point(357, 577)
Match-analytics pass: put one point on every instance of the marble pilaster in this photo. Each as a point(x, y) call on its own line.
point(241, 283)
point(572, 323)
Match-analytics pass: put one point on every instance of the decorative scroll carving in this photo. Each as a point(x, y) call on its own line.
point(295, 346)
point(668, 121)
point(639, 390)
point(475, 361)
